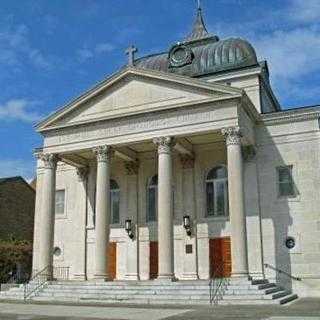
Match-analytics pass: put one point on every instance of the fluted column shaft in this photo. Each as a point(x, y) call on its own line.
point(165, 208)
point(236, 202)
point(102, 223)
point(47, 211)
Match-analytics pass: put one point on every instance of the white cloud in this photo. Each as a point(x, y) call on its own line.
point(16, 48)
point(19, 109)
point(291, 54)
point(85, 54)
point(305, 10)
point(17, 167)
point(104, 47)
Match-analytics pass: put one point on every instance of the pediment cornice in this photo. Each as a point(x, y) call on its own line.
point(211, 92)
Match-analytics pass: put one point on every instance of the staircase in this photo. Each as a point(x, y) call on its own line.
point(235, 291)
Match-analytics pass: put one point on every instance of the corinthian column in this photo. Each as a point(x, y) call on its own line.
point(103, 154)
point(236, 202)
point(165, 208)
point(47, 211)
point(80, 233)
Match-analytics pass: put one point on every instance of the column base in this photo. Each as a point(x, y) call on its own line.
point(256, 275)
point(80, 277)
point(166, 278)
point(240, 275)
point(132, 276)
point(101, 278)
point(190, 276)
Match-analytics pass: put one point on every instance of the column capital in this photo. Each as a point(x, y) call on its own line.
point(49, 160)
point(233, 135)
point(103, 153)
point(164, 144)
point(132, 168)
point(82, 173)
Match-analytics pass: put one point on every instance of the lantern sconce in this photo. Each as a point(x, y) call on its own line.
point(128, 228)
point(187, 224)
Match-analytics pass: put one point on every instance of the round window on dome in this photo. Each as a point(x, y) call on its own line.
point(180, 56)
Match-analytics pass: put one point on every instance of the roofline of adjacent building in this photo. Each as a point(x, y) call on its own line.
point(15, 178)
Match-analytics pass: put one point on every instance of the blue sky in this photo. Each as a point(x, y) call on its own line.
point(53, 50)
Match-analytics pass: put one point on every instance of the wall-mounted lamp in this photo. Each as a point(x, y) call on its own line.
point(128, 228)
point(187, 224)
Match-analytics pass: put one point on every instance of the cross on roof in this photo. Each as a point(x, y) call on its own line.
point(199, 4)
point(130, 52)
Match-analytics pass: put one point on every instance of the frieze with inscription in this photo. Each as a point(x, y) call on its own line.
point(135, 124)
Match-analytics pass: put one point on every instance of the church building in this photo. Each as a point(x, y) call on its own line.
point(181, 166)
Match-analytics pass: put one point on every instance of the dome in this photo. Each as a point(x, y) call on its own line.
point(202, 54)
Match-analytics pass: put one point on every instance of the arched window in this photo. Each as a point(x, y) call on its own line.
point(115, 201)
point(217, 192)
point(152, 199)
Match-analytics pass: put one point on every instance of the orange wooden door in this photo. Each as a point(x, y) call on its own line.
point(112, 260)
point(153, 259)
point(220, 257)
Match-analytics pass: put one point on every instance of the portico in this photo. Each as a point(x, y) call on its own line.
point(97, 162)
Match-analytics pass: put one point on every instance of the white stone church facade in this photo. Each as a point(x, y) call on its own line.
point(185, 162)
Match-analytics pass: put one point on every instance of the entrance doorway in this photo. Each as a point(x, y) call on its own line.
point(153, 259)
point(220, 257)
point(112, 260)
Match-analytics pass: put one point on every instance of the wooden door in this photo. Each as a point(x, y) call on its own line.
point(153, 259)
point(112, 260)
point(220, 257)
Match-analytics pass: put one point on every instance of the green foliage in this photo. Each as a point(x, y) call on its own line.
point(12, 253)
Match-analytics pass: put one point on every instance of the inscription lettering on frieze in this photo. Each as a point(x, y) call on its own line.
point(136, 124)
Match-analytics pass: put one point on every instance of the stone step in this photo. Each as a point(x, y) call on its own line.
point(266, 286)
point(228, 291)
point(288, 298)
point(135, 283)
point(95, 302)
point(272, 290)
point(124, 295)
point(129, 287)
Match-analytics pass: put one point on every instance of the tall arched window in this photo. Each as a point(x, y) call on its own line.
point(217, 192)
point(152, 199)
point(115, 201)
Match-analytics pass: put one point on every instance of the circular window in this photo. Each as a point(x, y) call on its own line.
point(180, 56)
point(290, 242)
point(57, 251)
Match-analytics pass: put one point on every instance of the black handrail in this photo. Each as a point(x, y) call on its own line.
point(282, 272)
point(39, 280)
point(217, 285)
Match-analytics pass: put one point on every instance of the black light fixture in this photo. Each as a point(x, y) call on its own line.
point(187, 224)
point(128, 228)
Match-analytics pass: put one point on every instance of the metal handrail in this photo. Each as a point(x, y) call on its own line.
point(282, 272)
point(41, 278)
point(217, 285)
point(37, 281)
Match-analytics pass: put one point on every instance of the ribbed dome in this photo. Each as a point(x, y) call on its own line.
point(202, 54)
point(211, 57)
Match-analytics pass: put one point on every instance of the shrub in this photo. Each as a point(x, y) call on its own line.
point(13, 253)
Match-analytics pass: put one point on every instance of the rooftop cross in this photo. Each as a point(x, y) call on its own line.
point(130, 52)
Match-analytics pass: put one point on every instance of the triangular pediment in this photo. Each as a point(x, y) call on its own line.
point(135, 91)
